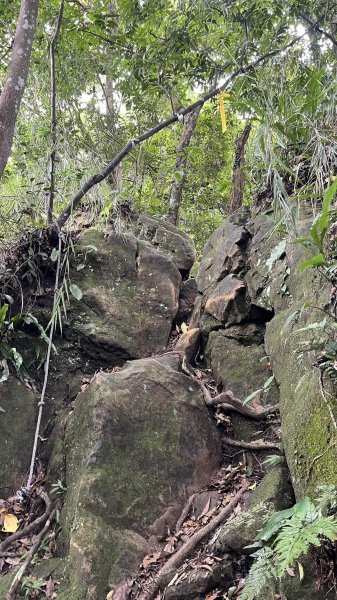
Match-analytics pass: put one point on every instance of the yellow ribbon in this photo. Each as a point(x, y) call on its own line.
point(222, 96)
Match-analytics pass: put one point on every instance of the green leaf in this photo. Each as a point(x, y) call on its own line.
point(5, 370)
point(315, 261)
point(252, 395)
point(268, 383)
point(274, 523)
point(75, 291)
point(54, 254)
point(3, 313)
point(276, 253)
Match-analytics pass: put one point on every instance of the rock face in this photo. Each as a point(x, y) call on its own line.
point(17, 425)
point(168, 240)
point(130, 296)
point(250, 306)
point(138, 443)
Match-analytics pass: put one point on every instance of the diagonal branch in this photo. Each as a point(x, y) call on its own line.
point(316, 27)
point(99, 177)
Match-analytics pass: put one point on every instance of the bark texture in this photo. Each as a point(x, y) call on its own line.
point(14, 85)
point(238, 181)
point(177, 187)
point(53, 114)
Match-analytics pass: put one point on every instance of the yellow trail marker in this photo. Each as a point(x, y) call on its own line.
point(222, 96)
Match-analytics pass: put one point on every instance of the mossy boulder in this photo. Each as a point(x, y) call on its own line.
point(138, 442)
point(18, 413)
point(308, 412)
point(130, 297)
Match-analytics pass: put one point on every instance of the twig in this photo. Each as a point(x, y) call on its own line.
point(32, 526)
point(251, 445)
point(164, 574)
point(185, 512)
point(11, 594)
point(99, 177)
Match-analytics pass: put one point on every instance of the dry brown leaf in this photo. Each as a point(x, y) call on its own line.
point(150, 559)
point(50, 588)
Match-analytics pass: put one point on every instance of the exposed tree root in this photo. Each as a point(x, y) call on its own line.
point(229, 402)
point(11, 594)
point(252, 445)
point(32, 526)
point(165, 573)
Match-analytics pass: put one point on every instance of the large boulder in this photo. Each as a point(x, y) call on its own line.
point(138, 443)
point(130, 296)
point(18, 413)
point(307, 406)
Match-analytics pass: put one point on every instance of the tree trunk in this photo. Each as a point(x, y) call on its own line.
point(178, 183)
point(53, 115)
point(11, 95)
point(238, 180)
point(115, 178)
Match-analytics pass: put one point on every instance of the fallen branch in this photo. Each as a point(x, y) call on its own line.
point(32, 526)
point(165, 573)
point(11, 594)
point(252, 445)
point(99, 177)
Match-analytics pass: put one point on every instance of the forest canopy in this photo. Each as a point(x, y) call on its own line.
point(103, 74)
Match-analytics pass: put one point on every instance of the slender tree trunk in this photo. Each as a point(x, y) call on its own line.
point(53, 115)
point(14, 85)
point(176, 195)
point(114, 178)
point(238, 180)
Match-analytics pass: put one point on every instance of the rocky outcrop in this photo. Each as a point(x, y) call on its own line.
point(253, 303)
point(130, 296)
point(129, 288)
point(18, 412)
point(137, 444)
point(168, 240)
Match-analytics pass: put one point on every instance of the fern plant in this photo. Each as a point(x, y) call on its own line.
point(287, 536)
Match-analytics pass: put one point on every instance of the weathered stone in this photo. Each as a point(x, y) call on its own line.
point(189, 343)
point(130, 297)
point(239, 368)
point(188, 293)
point(224, 253)
point(168, 240)
point(17, 427)
point(228, 301)
point(199, 582)
point(265, 276)
point(139, 440)
point(274, 493)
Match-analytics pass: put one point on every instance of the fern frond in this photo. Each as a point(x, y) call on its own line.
point(327, 500)
point(261, 573)
point(296, 536)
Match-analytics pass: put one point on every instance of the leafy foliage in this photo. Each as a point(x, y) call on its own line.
point(287, 536)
